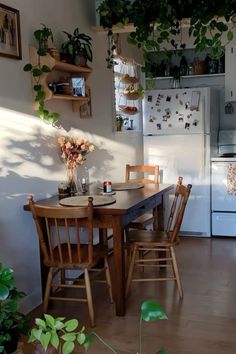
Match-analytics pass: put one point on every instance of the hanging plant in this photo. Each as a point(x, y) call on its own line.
point(160, 22)
point(42, 36)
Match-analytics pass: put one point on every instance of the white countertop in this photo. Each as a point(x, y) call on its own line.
point(227, 159)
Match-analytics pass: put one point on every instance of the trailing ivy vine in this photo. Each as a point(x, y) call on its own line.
point(159, 22)
point(42, 36)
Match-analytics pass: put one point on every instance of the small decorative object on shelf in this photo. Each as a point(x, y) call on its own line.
point(73, 152)
point(120, 120)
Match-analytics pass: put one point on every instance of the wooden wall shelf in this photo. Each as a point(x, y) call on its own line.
point(55, 65)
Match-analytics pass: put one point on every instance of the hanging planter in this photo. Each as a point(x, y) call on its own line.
point(127, 79)
point(130, 110)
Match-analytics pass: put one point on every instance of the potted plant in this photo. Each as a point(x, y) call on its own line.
point(120, 121)
point(58, 335)
point(12, 322)
point(42, 36)
point(78, 46)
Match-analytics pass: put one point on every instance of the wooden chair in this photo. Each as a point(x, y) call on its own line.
point(62, 249)
point(145, 175)
point(161, 242)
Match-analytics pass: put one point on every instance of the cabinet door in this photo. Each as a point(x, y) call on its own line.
point(230, 77)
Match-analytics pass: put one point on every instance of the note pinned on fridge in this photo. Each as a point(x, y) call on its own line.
point(195, 99)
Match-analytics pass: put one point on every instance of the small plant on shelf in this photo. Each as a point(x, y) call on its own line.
point(120, 121)
point(78, 46)
point(42, 36)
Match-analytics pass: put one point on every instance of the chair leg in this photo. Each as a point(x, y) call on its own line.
point(63, 276)
point(108, 278)
point(89, 297)
point(176, 271)
point(47, 290)
point(131, 270)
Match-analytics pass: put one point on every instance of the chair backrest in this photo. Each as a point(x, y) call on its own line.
point(177, 209)
point(60, 228)
point(142, 174)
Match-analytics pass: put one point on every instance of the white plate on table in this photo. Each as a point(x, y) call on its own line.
point(82, 200)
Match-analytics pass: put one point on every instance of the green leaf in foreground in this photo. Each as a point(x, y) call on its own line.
point(151, 311)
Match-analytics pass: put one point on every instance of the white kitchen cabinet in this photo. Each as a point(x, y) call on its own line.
point(230, 76)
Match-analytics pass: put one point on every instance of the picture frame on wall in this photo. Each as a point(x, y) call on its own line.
point(86, 109)
point(10, 37)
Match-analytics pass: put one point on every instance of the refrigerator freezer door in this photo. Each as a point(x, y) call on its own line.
point(176, 111)
point(186, 156)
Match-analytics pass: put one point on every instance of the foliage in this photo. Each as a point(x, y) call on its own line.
point(78, 43)
point(41, 35)
point(11, 320)
point(160, 22)
point(63, 335)
point(150, 311)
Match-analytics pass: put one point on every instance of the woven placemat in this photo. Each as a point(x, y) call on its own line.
point(82, 200)
point(126, 186)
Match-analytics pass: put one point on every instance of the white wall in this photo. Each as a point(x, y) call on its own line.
point(29, 159)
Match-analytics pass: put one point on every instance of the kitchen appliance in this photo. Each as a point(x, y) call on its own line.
point(223, 203)
point(180, 128)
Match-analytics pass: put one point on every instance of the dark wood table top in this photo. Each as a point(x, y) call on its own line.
point(125, 200)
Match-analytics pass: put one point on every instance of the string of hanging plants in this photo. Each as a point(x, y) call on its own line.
point(159, 22)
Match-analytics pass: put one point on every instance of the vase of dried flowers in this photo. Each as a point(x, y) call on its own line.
point(73, 153)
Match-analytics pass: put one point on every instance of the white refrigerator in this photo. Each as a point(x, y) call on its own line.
point(180, 128)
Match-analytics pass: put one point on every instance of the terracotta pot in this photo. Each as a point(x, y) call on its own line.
point(199, 67)
point(38, 349)
point(80, 60)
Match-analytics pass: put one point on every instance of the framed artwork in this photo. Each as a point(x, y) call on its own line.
point(10, 38)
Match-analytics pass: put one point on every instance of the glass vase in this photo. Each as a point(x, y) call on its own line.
point(72, 179)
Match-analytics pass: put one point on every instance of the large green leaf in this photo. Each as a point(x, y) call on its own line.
point(89, 340)
point(152, 311)
point(4, 292)
point(45, 340)
point(68, 337)
point(54, 339)
point(68, 347)
point(71, 325)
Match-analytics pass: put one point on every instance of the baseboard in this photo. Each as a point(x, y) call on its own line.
point(31, 301)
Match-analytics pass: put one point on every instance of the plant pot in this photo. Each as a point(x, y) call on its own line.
point(11, 346)
point(119, 126)
point(80, 60)
point(38, 349)
point(67, 58)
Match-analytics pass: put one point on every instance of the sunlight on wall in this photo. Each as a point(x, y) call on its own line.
point(29, 148)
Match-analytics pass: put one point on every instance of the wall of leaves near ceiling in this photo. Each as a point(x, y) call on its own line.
point(160, 22)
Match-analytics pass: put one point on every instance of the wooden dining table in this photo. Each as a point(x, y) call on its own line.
point(128, 205)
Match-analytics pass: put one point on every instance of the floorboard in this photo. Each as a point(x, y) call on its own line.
point(204, 321)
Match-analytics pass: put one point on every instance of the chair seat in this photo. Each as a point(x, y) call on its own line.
point(150, 238)
point(142, 221)
point(99, 251)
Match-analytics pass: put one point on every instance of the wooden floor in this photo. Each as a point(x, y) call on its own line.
point(203, 322)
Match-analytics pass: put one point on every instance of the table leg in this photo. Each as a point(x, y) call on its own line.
point(119, 267)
